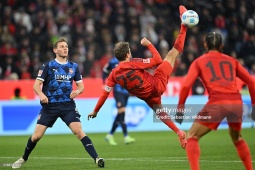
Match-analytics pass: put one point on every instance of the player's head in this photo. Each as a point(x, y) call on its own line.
point(60, 47)
point(122, 51)
point(213, 41)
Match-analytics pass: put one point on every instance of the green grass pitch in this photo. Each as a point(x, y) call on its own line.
point(151, 151)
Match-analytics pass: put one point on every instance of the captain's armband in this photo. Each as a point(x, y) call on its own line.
point(107, 88)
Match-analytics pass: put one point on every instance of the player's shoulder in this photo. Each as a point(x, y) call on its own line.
point(47, 63)
point(72, 63)
point(113, 62)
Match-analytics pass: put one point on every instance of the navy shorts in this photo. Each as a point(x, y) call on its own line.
point(120, 98)
point(50, 114)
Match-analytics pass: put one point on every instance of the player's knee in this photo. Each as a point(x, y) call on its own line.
point(235, 135)
point(36, 138)
point(79, 133)
point(193, 134)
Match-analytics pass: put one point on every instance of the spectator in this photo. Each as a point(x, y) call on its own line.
point(92, 26)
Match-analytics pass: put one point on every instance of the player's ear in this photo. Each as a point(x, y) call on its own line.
point(55, 50)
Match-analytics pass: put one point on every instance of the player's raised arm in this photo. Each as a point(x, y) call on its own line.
point(148, 62)
point(156, 58)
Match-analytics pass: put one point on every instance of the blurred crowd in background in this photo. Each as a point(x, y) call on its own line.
point(28, 29)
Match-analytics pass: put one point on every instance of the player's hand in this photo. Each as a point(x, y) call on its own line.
point(92, 115)
point(253, 113)
point(43, 98)
point(182, 9)
point(74, 94)
point(145, 42)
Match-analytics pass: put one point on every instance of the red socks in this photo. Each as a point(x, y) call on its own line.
point(179, 42)
point(244, 154)
point(163, 117)
point(193, 153)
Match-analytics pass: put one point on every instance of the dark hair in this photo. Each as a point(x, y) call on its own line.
point(120, 50)
point(61, 39)
point(213, 41)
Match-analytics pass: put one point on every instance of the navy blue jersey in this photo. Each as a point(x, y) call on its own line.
point(106, 71)
point(58, 79)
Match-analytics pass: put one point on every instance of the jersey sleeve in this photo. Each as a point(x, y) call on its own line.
point(243, 74)
point(106, 91)
point(188, 82)
point(149, 62)
point(42, 73)
point(77, 76)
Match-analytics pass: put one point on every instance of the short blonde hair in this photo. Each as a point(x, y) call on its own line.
point(61, 39)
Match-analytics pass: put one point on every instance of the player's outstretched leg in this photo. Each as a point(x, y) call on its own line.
point(182, 9)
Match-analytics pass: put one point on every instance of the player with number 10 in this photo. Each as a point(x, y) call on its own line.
point(218, 73)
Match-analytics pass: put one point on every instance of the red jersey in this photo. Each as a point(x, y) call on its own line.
point(133, 77)
point(218, 73)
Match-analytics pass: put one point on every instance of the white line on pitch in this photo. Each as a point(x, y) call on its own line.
point(165, 159)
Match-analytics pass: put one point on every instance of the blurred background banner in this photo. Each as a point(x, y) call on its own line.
point(93, 88)
point(19, 117)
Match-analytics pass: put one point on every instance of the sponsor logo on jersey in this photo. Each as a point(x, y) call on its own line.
point(70, 71)
point(63, 77)
point(146, 60)
point(40, 72)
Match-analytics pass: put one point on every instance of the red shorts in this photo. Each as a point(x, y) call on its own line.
point(161, 76)
point(214, 112)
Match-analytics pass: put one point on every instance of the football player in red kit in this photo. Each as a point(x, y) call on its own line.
point(131, 74)
point(218, 73)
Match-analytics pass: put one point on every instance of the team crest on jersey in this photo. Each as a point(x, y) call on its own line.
point(40, 72)
point(70, 71)
point(146, 60)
